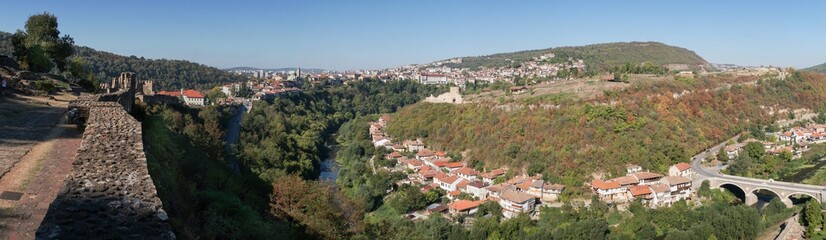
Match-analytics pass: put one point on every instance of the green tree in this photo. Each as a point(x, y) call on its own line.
point(755, 150)
point(812, 217)
point(40, 47)
point(722, 156)
point(704, 190)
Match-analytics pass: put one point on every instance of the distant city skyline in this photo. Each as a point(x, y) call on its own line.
point(342, 35)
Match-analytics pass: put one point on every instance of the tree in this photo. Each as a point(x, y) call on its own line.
point(40, 47)
point(722, 156)
point(755, 150)
point(322, 210)
point(812, 217)
point(704, 190)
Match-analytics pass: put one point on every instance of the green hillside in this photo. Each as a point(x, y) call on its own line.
point(817, 68)
point(168, 74)
point(599, 57)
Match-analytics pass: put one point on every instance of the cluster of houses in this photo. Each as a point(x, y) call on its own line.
point(652, 189)
point(435, 169)
point(796, 141)
point(268, 90)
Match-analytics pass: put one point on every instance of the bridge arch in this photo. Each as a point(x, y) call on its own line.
point(797, 200)
point(735, 189)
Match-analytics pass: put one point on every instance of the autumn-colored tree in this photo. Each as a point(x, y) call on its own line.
point(317, 206)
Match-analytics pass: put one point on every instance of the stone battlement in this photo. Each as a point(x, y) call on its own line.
point(109, 194)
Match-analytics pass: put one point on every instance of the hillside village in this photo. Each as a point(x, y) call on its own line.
point(467, 188)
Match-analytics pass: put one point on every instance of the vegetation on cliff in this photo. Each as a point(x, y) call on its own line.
point(650, 124)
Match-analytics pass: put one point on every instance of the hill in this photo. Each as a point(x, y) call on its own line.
point(644, 124)
point(599, 57)
point(818, 68)
point(168, 74)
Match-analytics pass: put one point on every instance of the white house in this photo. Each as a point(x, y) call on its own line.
point(467, 173)
point(680, 187)
point(608, 190)
point(514, 202)
point(193, 98)
point(681, 169)
point(545, 191)
point(446, 182)
point(477, 189)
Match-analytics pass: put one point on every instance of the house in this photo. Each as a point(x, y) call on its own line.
point(424, 154)
point(436, 208)
point(661, 194)
point(446, 182)
point(732, 150)
point(642, 192)
point(514, 202)
point(608, 190)
point(414, 164)
point(681, 169)
point(399, 148)
point(632, 168)
point(464, 206)
point(413, 146)
point(546, 192)
point(495, 191)
point(193, 98)
point(647, 178)
point(453, 166)
point(519, 90)
point(680, 187)
point(467, 173)
point(488, 177)
point(625, 182)
point(477, 189)
point(393, 155)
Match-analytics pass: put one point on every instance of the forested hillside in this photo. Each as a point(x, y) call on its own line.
point(818, 68)
point(598, 57)
point(644, 124)
point(168, 74)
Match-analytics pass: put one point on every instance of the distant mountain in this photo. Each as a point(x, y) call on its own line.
point(818, 68)
point(308, 70)
point(167, 74)
point(598, 57)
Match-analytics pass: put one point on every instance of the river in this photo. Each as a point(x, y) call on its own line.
point(330, 167)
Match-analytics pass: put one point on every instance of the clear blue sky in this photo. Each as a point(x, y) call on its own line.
point(377, 34)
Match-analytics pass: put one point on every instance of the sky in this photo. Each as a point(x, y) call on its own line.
point(344, 35)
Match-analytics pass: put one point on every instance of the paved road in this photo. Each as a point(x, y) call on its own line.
point(232, 137)
point(714, 172)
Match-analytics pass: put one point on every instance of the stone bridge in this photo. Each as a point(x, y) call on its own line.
point(784, 190)
point(109, 193)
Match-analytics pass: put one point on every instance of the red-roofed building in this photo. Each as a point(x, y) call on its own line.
point(446, 182)
point(190, 97)
point(488, 177)
point(452, 166)
point(641, 192)
point(608, 191)
point(467, 173)
point(681, 169)
point(464, 206)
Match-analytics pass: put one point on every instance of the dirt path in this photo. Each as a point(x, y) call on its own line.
point(39, 176)
point(36, 155)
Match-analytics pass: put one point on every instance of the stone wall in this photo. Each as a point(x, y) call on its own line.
point(109, 194)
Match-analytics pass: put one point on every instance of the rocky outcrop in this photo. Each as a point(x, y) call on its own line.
point(109, 194)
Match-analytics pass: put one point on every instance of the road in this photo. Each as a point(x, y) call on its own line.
point(232, 137)
point(714, 172)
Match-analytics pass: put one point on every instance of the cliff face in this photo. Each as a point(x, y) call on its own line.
point(109, 193)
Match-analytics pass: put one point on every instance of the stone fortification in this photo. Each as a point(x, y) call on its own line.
point(109, 194)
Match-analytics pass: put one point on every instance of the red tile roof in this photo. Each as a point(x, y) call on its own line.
point(463, 205)
point(625, 180)
point(455, 165)
point(647, 175)
point(640, 190)
point(599, 184)
point(682, 166)
point(467, 171)
point(193, 94)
